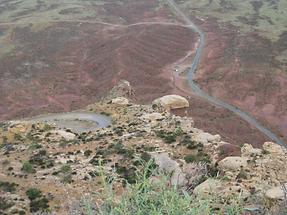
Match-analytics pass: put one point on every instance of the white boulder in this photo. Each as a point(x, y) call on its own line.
point(204, 138)
point(210, 186)
point(170, 102)
point(232, 163)
point(165, 163)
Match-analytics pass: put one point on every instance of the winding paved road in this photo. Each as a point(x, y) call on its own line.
point(215, 101)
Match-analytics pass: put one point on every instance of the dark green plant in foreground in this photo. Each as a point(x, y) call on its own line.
point(156, 197)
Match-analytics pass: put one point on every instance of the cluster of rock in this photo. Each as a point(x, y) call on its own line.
point(59, 162)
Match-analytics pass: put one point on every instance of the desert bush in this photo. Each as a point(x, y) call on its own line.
point(33, 193)
point(28, 167)
point(168, 137)
point(7, 186)
point(66, 168)
point(38, 202)
point(5, 204)
point(199, 157)
point(35, 146)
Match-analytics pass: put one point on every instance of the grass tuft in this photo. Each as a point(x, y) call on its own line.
point(153, 194)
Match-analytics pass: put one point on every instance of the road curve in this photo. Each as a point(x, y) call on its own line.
point(77, 122)
point(213, 100)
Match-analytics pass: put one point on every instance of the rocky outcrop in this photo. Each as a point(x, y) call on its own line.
point(208, 187)
point(170, 166)
point(122, 89)
point(170, 102)
point(232, 163)
point(59, 161)
point(58, 135)
point(205, 138)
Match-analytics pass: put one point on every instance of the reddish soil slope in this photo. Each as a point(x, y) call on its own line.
point(71, 64)
point(68, 66)
point(242, 70)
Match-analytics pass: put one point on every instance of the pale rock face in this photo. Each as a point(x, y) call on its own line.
point(248, 150)
point(277, 193)
point(152, 116)
point(171, 102)
point(232, 163)
point(208, 187)
point(171, 166)
point(120, 101)
point(205, 138)
point(274, 148)
point(121, 89)
point(61, 134)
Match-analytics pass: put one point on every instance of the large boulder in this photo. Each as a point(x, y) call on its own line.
point(232, 163)
point(202, 137)
point(168, 165)
point(210, 186)
point(171, 102)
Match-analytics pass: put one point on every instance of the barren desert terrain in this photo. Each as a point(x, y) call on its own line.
point(57, 57)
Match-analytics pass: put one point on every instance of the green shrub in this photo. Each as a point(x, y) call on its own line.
point(35, 146)
point(33, 193)
point(119, 148)
point(47, 127)
point(189, 158)
point(28, 167)
point(7, 186)
point(129, 174)
point(38, 202)
point(4, 204)
point(169, 137)
point(66, 176)
point(199, 157)
point(66, 168)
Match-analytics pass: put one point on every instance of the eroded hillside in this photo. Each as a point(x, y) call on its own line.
point(43, 167)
